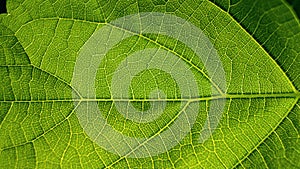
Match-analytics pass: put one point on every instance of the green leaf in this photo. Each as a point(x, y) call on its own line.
point(41, 103)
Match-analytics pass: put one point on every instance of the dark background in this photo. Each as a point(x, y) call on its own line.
point(296, 6)
point(3, 6)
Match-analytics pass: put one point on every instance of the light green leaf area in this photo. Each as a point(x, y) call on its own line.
point(258, 43)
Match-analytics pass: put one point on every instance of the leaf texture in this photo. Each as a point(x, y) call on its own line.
point(258, 45)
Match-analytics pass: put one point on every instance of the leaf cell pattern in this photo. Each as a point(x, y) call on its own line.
point(258, 46)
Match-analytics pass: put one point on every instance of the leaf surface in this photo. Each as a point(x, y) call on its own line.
point(258, 45)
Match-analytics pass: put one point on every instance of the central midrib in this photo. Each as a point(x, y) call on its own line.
point(226, 96)
point(203, 98)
